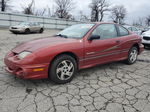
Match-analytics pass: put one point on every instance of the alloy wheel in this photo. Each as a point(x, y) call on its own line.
point(133, 55)
point(65, 70)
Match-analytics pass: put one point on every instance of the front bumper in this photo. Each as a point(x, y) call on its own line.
point(25, 71)
point(145, 41)
point(17, 30)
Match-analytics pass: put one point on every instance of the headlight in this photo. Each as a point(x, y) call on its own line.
point(23, 54)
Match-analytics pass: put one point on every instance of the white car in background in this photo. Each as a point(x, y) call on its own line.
point(146, 38)
point(27, 27)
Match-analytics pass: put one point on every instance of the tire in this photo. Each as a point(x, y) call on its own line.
point(14, 32)
point(146, 46)
point(27, 31)
point(62, 69)
point(132, 56)
point(41, 30)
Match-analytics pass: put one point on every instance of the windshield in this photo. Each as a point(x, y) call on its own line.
point(75, 31)
point(24, 23)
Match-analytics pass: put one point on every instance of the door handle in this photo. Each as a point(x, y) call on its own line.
point(118, 41)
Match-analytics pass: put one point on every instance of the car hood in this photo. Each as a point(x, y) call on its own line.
point(147, 33)
point(19, 26)
point(41, 43)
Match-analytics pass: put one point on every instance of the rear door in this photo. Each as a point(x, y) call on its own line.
point(37, 27)
point(33, 27)
point(106, 48)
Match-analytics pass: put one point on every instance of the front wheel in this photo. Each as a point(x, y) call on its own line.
point(62, 69)
point(41, 30)
point(132, 56)
point(27, 31)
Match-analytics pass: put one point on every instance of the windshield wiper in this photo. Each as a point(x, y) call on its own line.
point(65, 36)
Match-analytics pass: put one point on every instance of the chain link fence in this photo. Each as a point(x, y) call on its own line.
point(9, 19)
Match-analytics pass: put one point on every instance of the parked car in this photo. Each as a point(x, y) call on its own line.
point(27, 27)
point(136, 30)
point(146, 38)
point(146, 29)
point(77, 47)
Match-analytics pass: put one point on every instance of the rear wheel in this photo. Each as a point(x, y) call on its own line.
point(27, 31)
point(41, 30)
point(62, 69)
point(132, 56)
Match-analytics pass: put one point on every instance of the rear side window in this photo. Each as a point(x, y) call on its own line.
point(105, 31)
point(134, 29)
point(123, 31)
point(38, 24)
point(130, 28)
point(31, 24)
point(34, 24)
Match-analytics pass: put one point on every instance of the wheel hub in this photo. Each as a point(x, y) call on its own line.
point(133, 55)
point(65, 70)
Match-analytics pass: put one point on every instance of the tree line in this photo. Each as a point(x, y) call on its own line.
point(99, 9)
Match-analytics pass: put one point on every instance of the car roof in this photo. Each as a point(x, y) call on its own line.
point(28, 22)
point(103, 23)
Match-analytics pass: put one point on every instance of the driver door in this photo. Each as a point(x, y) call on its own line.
point(105, 49)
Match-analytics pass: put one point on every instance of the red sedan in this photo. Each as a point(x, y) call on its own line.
point(77, 47)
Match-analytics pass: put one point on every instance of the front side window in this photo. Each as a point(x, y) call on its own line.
point(130, 28)
point(36, 24)
point(123, 31)
point(76, 31)
point(24, 23)
point(105, 31)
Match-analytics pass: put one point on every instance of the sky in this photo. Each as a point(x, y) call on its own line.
point(135, 8)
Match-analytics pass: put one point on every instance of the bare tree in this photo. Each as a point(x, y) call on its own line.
point(49, 13)
point(4, 5)
point(63, 8)
point(118, 14)
point(99, 7)
point(29, 9)
point(40, 12)
point(147, 21)
point(83, 17)
point(139, 22)
point(135, 23)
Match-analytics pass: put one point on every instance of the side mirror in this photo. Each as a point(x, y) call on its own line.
point(142, 31)
point(94, 37)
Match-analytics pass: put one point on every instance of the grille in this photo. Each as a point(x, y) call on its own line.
point(146, 38)
point(13, 27)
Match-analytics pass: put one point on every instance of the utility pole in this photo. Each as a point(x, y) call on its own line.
point(3, 6)
point(119, 18)
point(148, 22)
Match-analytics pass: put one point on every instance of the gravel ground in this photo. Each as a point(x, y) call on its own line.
point(114, 87)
